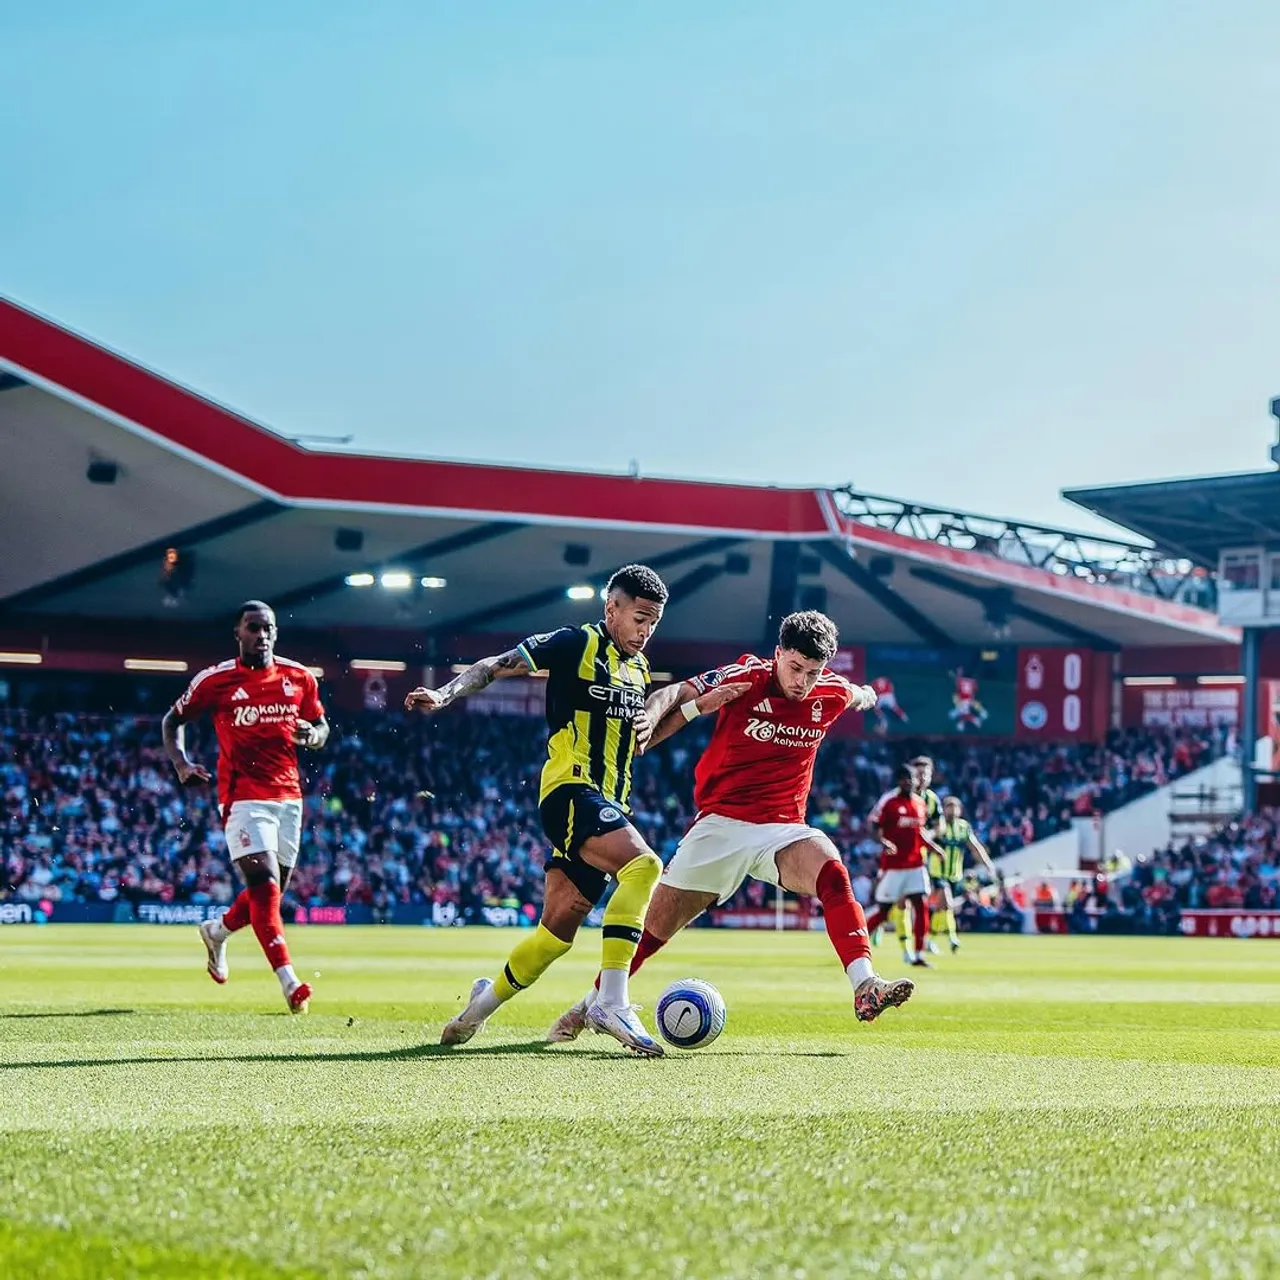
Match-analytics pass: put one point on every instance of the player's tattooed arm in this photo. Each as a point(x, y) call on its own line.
point(175, 748)
point(480, 675)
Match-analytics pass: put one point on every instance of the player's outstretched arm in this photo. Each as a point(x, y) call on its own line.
point(862, 698)
point(980, 852)
point(688, 704)
point(480, 675)
point(175, 747)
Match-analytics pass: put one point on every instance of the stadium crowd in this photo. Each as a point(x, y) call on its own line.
point(445, 810)
point(1237, 867)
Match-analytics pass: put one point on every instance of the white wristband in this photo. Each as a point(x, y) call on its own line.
point(690, 710)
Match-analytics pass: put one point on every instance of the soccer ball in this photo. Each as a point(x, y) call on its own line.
point(691, 1013)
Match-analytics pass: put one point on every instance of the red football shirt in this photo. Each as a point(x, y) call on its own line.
point(882, 685)
point(966, 688)
point(255, 711)
point(902, 820)
point(758, 766)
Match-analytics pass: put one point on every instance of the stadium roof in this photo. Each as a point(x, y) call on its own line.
point(105, 464)
point(1196, 518)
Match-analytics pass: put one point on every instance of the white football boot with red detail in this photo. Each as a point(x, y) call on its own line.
point(298, 998)
point(218, 970)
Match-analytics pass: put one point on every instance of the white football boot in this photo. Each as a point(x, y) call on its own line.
point(461, 1029)
point(621, 1023)
point(569, 1025)
point(218, 970)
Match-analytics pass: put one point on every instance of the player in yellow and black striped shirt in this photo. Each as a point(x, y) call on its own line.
point(597, 720)
point(956, 838)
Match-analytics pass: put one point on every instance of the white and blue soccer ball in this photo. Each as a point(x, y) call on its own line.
point(690, 1013)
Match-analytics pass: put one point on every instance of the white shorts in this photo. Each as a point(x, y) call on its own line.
point(265, 826)
point(887, 701)
point(719, 853)
point(893, 886)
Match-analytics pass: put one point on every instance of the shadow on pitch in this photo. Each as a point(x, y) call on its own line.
point(72, 1013)
point(411, 1053)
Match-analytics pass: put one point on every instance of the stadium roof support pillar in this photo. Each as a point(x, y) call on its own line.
point(1002, 600)
point(148, 553)
point(694, 581)
point(1251, 649)
point(784, 577)
point(427, 552)
point(549, 595)
point(884, 595)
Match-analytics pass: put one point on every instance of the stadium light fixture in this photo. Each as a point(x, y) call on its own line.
point(377, 664)
point(1219, 679)
point(1150, 682)
point(155, 664)
point(434, 584)
point(581, 593)
point(396, 580)
point(21, 659)
point(318, 672)
point(359, 579)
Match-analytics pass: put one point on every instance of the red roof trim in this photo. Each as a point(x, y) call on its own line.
point(1097, 595)
point(220, 439)
point(233, 444)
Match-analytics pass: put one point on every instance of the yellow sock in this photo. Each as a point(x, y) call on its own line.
point(938, 922)
point(904, 924)
point(624, 916)
point(952, 933)
point(530, 958)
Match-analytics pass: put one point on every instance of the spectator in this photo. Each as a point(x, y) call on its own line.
point(445, 811)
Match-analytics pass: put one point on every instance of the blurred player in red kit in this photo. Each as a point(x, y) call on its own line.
point(901, 820)
point(264, 708)
point(886, 704)
point(966, 710)
point(751, 790)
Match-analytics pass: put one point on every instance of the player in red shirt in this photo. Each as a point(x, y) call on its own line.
point(264, 708)
point(886, 704)
point(965, 707)
point(901, 819)
point(751, 790)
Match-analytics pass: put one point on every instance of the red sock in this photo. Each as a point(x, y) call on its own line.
point(846, 924)
point(237, 914)
point(648, 944)
point(877, 917)
point(264, 915)
point(919, 923)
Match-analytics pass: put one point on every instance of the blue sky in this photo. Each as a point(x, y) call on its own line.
point(964, 252)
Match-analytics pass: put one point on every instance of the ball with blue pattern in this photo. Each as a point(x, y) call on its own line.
point(690, 1013)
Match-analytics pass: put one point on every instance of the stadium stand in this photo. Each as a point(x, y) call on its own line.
point(406, 811)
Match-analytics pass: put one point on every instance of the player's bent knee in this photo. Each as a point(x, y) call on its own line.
point(644, 871)
point(258, 868)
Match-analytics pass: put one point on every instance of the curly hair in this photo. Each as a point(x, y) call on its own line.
point(639, 582)
point(810, 633)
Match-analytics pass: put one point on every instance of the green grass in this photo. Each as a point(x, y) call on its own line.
point(1044, 1106)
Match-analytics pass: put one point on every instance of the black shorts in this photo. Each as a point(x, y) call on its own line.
point(571, 815)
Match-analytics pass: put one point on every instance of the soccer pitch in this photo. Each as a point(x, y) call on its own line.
point(1043, 1106)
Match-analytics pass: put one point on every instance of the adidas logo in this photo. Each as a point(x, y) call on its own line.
point(240, 696)
point(763, 708)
